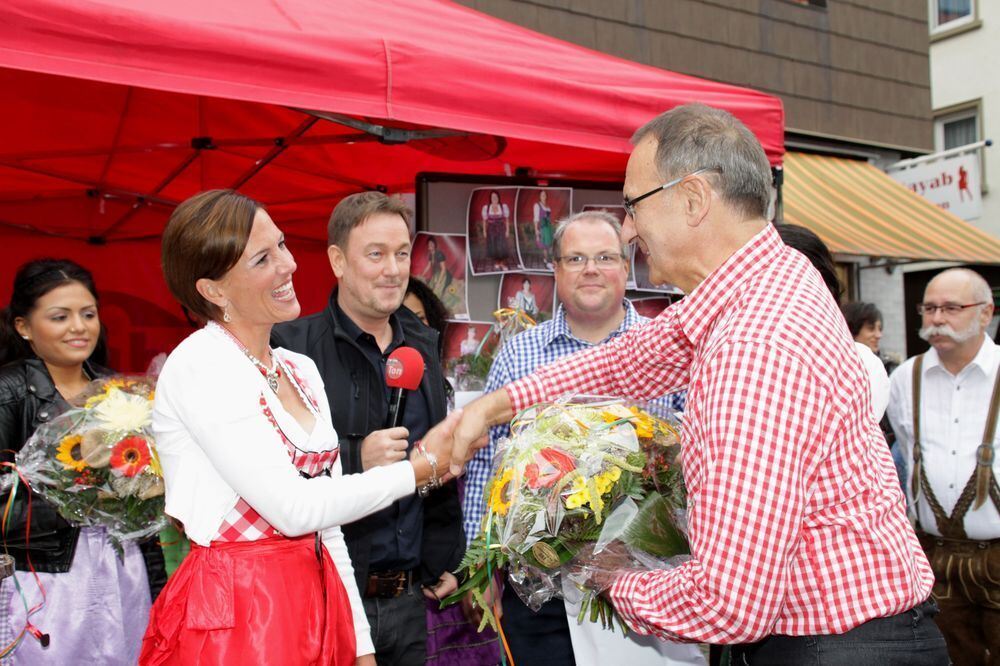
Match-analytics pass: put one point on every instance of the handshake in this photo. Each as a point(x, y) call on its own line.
point(442, 453)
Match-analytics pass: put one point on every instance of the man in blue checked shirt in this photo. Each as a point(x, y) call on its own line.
point(590, 273)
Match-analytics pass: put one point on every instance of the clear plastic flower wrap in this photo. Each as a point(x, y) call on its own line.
point(581, 489)
point(96, 462)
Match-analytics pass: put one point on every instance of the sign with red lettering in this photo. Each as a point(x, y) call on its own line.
point(951, 183)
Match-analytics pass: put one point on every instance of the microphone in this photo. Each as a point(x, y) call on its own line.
point(403, 371)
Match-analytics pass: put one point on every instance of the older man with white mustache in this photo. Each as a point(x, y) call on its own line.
point(950, 442)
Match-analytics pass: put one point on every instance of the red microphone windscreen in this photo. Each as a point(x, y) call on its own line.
point(404, 369)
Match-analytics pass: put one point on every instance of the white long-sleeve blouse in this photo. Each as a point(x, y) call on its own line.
point(216, 445)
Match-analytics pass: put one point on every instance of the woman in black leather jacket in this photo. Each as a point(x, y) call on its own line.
point(96, 604)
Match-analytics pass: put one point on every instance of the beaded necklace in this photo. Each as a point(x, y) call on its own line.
point(272, 375)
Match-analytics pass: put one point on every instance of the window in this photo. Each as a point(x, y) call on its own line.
point(947, 14)
point(957, 129)
point(958, 126)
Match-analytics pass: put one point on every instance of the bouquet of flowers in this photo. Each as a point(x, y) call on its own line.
point(574, 479)
point(96, 462)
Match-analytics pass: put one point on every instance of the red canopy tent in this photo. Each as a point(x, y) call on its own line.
point(119, 109)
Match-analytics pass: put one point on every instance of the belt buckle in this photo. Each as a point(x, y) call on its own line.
point(388, 585)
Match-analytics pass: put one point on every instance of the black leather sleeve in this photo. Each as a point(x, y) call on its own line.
point(11, 416)
point(156, 567)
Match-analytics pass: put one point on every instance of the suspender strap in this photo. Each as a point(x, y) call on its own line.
point(918, 368)
point(986, 452)
point(981, 484)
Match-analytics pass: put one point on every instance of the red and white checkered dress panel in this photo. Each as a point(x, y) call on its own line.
point(243, 523)
point(797, 521)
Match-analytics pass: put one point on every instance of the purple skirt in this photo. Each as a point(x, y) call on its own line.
point(452, 641)
point(95, 613)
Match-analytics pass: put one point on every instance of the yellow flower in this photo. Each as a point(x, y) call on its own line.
point(579, 494)
point(154, 461)
point(590, 491)
point(606, 480)
point(500, 496)
point(69, 453)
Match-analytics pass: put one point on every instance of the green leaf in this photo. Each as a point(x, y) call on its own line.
point(653, 530)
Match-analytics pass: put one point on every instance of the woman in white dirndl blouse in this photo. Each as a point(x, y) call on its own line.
point(250, 460)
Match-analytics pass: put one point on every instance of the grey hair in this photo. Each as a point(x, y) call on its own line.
point(597, 216)
point(981, 291)
point(696, 136)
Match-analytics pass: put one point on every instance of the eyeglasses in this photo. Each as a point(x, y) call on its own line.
point(629, 204)
point(577, 262)
point(947, 308)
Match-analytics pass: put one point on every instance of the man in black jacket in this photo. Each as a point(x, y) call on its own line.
point(416, 542)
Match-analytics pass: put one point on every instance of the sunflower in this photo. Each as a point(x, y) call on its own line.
point(130, 456)
point(500, 495)
point(70, 454)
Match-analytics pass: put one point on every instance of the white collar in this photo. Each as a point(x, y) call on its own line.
point(986, 359)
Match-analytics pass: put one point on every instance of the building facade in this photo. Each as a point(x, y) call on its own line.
point(965, 89)
point(853, 75)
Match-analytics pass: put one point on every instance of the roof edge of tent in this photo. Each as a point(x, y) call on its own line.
point(59, 61)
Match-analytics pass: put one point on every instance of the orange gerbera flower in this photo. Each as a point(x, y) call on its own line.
point(130, 456)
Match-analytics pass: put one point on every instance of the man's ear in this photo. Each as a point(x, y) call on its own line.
point(338, 261)
point(987, 315)
point(212, 292)
point(696, 196)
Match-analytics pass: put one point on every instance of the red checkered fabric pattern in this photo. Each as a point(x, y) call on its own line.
point(243, 523)
point(796, 518)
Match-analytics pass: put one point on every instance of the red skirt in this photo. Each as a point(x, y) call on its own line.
point(272, 601)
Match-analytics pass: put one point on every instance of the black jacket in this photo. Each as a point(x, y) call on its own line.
point(357, 400)
point(28, 398)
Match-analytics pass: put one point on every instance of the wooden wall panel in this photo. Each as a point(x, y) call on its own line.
point(856, 70)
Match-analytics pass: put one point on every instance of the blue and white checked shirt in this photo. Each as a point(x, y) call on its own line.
point(524, 353)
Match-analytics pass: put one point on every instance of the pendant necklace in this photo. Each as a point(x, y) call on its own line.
point(272, 375)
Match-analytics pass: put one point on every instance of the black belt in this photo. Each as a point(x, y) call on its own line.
point(388, 584)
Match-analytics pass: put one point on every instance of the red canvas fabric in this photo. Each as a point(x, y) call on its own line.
point(116, 110)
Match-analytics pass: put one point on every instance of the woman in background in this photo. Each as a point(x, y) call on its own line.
point(446, 287)
point(524, 300)
point(96, 603)
point(496, 222)
point(544, 229)
point(865, 323)
point(451, 639)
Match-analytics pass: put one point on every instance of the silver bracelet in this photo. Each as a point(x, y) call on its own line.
point(434, 482)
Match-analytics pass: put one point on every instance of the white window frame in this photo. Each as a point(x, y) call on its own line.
point(964, 114)
point(971, 109)
point(935, 27)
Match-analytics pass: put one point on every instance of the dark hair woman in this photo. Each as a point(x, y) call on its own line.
point(95, 603)
point(424, 303)
point(250, 460)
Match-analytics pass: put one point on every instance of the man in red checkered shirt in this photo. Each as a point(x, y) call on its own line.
point(801, 552)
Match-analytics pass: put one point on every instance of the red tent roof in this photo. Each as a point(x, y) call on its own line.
point(417, 61)
point(118, 109)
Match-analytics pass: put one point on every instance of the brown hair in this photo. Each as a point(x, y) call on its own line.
point(204, 238)
point(356, 208)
